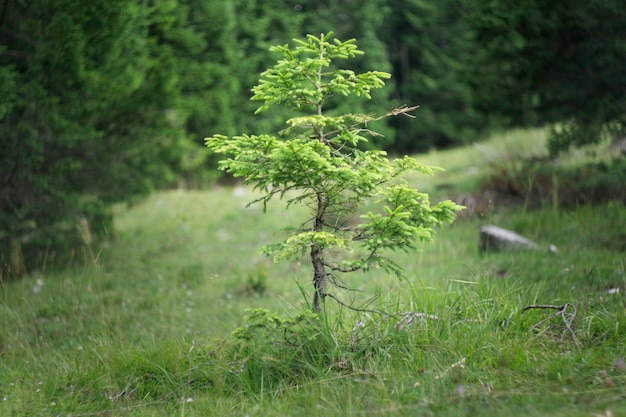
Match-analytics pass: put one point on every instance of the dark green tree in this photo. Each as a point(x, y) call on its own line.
point(91, 116)
point(259, 25)
point(553, 62)
point(429, 47)
point(209, 65)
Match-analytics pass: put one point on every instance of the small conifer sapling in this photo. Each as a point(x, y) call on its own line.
point(317, 161)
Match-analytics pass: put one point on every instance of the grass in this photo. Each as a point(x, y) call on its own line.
point(148, 329)
point(467, 167)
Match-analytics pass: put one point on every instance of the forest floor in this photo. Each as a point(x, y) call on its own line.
point(158, 322)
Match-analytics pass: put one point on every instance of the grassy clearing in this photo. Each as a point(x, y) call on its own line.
point(466, 166)
point(505, 155)
point(148, 330)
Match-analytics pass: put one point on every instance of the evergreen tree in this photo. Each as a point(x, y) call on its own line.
point(90, 118)
point(429, 48)
point(259, 25)
point(316, 162)
point(558, 62)
point(208, 65)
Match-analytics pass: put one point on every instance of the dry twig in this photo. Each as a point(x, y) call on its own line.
point(568, 318)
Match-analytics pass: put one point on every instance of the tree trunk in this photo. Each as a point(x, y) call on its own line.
point(16, 267)
point(317, 257)
point(319, 278)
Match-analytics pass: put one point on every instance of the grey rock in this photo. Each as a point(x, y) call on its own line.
point(495, 239)
point(618, 144)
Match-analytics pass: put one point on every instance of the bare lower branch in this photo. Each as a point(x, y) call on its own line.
point(339, 268)
point(338, 283)
point(360, 310)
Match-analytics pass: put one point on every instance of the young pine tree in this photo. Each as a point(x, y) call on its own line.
point(316, 161)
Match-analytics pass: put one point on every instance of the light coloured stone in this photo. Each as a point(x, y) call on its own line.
point(494, 239)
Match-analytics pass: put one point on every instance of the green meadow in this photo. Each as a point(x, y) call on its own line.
point(177, 313)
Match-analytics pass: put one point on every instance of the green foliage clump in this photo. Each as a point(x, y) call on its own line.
point(317, 161)
point(91, 117)
point(537, 180)
point(270, 350)
point(558, 62)
point(430, 50)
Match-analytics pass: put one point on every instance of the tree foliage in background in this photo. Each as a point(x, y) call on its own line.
point(316, 161)
point(103, 101)
point(560, 62)
point(89, 118)
point(259, 26)
point(429, 48)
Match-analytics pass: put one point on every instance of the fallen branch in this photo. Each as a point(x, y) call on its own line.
point(410, 317)
point(459, 364)
point(354, 336)
point(405, 320)
point(568, 318)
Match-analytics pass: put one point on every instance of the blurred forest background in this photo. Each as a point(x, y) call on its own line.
point(104, 101)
